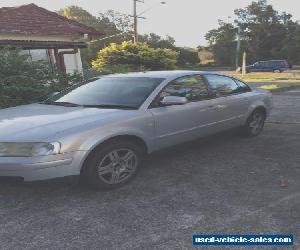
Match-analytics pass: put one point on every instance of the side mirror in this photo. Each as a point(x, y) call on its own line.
point(173, 100)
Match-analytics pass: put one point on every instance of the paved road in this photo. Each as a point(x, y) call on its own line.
point(223, 184)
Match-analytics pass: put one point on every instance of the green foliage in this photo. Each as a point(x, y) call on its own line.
point(206, 56)
point(80, 15)
point(187, 56)
point(291, 44)
point(222, 43)
point(156, 41)
point(129, 56)
point(265, 33)
point(113, 23)
point(22, 81)
point(263, 30)
point(109, 23)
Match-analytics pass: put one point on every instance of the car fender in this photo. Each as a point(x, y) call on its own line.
point(254, 105)
point(95, 140)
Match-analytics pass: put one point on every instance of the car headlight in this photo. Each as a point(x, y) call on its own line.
point(28, 149)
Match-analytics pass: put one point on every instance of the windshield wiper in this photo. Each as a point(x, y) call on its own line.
point(66, 104)
point(110, 106)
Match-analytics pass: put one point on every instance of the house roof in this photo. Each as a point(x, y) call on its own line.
point(29, 44)
point(33, 20)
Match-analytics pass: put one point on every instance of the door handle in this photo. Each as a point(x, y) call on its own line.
point(216, 107)
point(220, 106)
point(212, 107)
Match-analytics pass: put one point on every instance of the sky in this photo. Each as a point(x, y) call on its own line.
point(185, 20)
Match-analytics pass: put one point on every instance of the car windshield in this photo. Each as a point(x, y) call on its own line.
point(108, 92)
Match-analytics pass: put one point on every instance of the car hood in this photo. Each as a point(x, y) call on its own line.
point(37, 122)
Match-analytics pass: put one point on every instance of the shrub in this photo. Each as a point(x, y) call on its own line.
point(23, 82)
point(129, 56)
point(187, 56)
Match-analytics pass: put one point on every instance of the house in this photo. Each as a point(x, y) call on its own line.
point(45, 35)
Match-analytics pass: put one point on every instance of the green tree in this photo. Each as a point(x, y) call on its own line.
point(110, 23)
point(129, 56)
point(266, 34)
point(80, 15)
point(263, 29)
point(187, 56)
point(156, 41)
point(205, 54)
point(222, 44)
point(118, 20)
point(291, 45)
point(119, 26)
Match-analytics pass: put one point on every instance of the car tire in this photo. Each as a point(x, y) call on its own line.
point(277, 71)
point(112, 165)
point(255, 123)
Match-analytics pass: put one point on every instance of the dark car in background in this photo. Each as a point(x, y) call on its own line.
point(276, 66)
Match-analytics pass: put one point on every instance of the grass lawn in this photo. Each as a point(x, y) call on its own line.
point(268, 80)
point(291, 76)
point(271, 81)
point(288, 76)
point(282, 86)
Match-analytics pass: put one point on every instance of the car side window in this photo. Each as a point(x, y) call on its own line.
point(243, 87)
point(193, 88)
point(264, 64)
point(221, 85)
point(269, 64)
point(282, 64)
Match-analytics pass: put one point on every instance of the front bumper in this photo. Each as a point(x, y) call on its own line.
point(42, 168)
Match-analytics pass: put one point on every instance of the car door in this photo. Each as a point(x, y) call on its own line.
point(259, 67)
point(270, 66)
point(256, 67)
point(231, 100)
point(178, 123)
point(267, 66)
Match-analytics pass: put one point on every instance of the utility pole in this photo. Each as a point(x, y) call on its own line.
point(135, 20)
point(244, 63)
point(238, 48)
point(137, 16)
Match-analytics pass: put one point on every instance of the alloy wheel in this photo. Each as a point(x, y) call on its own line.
point(256, 123)
point(117, 166)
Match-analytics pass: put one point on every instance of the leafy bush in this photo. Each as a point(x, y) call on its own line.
point(187, 56)
point(129, 56)
point(206, 56)
point(22, 81)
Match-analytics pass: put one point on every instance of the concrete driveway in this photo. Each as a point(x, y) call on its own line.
point(223, 184)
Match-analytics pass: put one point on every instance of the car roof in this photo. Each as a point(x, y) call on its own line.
point(273, 61)
point(163, 74)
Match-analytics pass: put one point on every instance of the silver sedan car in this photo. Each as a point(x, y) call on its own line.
point(103, 129)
